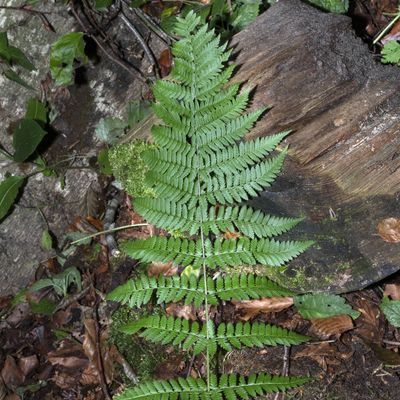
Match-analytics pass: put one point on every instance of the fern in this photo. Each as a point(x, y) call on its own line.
point(230, 386)
point(179, 331)
point(136, 293)
point(220, 253)
point(201, 171)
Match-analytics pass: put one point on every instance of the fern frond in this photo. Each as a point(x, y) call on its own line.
point(190, 289)
point(220, 253)
point(237, 157)
point(230, 387)
point(257, 334)
point(238, 187)
point(179, 331)
point(177, 216)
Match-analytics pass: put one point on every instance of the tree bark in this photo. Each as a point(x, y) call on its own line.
point(342, 173)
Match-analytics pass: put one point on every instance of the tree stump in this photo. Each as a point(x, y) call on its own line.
point(342, 173)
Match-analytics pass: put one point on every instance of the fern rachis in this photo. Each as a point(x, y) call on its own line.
point(199, 171)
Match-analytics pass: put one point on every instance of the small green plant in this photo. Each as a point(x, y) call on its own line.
point(60, 282)
point(391, 53)
point(67, 50)
point(12, 56)
point(334, 6)
point(391, 309)
point(198, 171)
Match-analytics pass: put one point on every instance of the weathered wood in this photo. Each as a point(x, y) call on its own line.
point(343, 172)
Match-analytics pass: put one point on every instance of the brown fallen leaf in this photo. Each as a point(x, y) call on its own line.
point(392, 290)
point(65, 380)
point(159, 268)
point(68, 355)
point(180, 310)
point(90, 343)
point(394, 33)
point(388, 357)
point(251, 308)
point(326, 327)
point(165, 62)
point(369, 325)
point(90, 376)
point(231, 235)
point(389, 230)
point(325, 354)
point(11, 374)
point(28, 364)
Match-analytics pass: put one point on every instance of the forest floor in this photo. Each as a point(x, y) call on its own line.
point(55, 347)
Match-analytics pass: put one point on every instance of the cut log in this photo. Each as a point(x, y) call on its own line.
point(343, 169)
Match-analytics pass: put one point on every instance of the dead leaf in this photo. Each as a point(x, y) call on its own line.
point(251, 308)
point(388, 357)
point(389, 230)
point(165, 62)
point(90, 343)
point(231, 235)
point(394, 33)
point(326, 327)
point(68, 355)
point(11, 374)
point(28, 364)
point(325, 354)
point(64, 380)
point(369, 324)
point(170, 369)
point(180, 310)
point(159, 268)
point(392, 290)
point(3, 389)
point(90, 376)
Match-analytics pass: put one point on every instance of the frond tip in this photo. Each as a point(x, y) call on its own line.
point(230, 387)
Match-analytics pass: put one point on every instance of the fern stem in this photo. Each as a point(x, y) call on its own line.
point(203, 250)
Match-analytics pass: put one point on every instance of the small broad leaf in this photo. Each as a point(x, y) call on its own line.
point(64, 52)
point(109, 130)
point(102, 4)
point(391, 53)
point(138, 110)
point(391, 309)
point(334, 6)
point(47, 240)
point(43, 306)
point(9, 189)
point(27, 136)
point(19, 58)
point(3, 41)
point(13, 76)
point(36, 110)
point(322, 305)
point(104, 162)
point(246, 11)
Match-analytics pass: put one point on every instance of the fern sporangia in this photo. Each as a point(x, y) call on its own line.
point(200, 171)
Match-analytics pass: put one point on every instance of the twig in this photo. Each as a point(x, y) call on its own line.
point(37, 13)
point(129, 372)
point(142, 78)
point(151, 25)
point(190, 366)
point(142, 42)
point(69, 300)
point(109, 218)
point(119, 228)
point(100, 365)
point(285, 370)
point(390, 342)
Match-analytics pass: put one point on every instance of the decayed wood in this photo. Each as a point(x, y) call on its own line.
point(343, 171)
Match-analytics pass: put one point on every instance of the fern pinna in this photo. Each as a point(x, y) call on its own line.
point(199, 170)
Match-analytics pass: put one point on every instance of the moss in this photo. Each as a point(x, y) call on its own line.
point(143, 356)
point(129, 168)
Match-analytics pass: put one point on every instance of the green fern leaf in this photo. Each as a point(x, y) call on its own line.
point(190, 289)
point(232, 387)
point(221, 253)
point(179, 331)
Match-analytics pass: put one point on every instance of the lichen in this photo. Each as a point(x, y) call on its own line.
point(129, 168)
